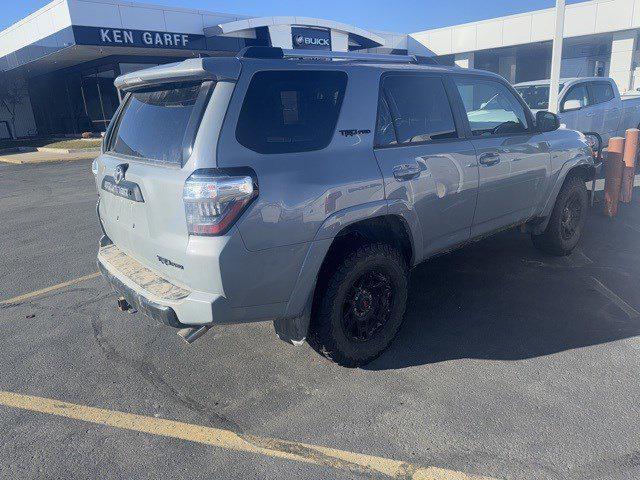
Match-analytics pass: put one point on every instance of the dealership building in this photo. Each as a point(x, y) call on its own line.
point(57, 65)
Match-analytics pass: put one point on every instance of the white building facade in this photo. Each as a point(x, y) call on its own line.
point(63, 58)
point(57, 65)
point(600, 39)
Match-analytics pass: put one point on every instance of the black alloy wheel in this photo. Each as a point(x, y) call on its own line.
point(367, 306)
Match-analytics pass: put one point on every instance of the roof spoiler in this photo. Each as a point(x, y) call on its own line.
point(279, 53)
point(190, 70)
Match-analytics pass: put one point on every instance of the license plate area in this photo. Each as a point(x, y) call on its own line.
point(124, 188)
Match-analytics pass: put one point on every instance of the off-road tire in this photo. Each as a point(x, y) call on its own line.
point(552, 240)
point(328, 335)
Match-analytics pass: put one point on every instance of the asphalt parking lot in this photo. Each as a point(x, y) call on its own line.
point(511, 364)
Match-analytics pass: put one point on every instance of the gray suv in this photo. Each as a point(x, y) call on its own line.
point(301, 187)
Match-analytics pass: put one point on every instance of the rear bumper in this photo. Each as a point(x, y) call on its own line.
point(155, 296)
point(160, 313)
point(171, 304)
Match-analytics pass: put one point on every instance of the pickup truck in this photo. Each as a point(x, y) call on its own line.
point(590, 104)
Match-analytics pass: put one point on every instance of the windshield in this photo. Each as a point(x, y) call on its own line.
point(536, 96)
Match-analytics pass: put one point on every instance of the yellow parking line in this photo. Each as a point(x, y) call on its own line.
point(228, 440)
point(68, 283)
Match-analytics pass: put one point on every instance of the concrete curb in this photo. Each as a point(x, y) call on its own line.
point(67, 150)
point(16, 161)
point(13, 150)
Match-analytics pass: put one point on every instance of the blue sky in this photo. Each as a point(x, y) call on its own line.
point(390, 15)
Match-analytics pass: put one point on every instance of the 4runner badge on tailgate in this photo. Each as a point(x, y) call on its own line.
point(169, 263)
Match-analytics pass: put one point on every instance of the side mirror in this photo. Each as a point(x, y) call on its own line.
point(594, 140)
point(570, 105)
point(547, 121)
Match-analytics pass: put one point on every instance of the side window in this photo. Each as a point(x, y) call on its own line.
point(418, 110)
point(577, 93)
point(291, 111)
point(492, 109)
point(601, 92)
point(385, 131)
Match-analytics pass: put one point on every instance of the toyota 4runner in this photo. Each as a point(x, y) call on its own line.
point(301, 187)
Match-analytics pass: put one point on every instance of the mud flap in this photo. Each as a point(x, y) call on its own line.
point(294, 330)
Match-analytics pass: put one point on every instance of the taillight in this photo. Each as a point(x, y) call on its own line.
point(213, 201)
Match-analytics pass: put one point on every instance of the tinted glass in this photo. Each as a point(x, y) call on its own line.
point(419, 108)
point(290, 111)
point(385, 131)
point(577, 92)
point(601, 92)
point(536, 96)
point(492, 109)
point(154, 122)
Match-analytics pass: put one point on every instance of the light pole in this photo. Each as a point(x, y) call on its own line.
point(556, 57)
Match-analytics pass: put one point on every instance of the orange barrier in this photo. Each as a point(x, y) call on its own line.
point(614, 166)
point(629, 171)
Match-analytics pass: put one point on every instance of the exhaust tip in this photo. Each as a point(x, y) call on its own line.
point(191, 334)
point(123, 305)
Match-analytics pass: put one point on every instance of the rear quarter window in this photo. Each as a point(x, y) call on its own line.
point(291, 111)
point(154, 123)
point(601, 92)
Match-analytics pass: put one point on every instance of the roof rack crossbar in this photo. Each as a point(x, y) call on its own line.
point(371, 57)
point(277, 52)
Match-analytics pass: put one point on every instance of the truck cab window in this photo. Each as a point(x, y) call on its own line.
point(577, 92)
point(601, 92)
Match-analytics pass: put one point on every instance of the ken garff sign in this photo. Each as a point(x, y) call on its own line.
point(124, 37)
point(311, 38)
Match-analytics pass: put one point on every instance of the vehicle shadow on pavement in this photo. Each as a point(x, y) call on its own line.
point(500, 299)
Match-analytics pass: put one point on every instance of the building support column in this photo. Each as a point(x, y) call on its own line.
point(507, 68)
point(465, 60)
point(281, 36)
point(339, 41)
point(556, 57)
point(623, 48)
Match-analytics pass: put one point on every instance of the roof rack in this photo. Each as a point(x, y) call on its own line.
point(277, 52)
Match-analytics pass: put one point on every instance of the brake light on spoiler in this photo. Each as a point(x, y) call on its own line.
point(214, 200)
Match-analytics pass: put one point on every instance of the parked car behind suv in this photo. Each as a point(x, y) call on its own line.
point(302, 190)
point(590, 104)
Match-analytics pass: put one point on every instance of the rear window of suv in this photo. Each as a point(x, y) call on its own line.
point(154, 123)
point(291, 111)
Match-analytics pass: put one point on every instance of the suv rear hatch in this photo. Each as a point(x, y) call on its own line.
point(150, 151)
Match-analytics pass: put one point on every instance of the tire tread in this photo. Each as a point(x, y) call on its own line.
point(550, 241)
point(322, 336)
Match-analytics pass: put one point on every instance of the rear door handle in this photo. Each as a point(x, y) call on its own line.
point(406, 171)
point(488, 159)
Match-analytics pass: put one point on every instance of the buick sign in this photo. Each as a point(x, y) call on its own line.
point(311, 38)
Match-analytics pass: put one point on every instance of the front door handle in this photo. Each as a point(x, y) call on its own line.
point(488, 159)
point(406, 171)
